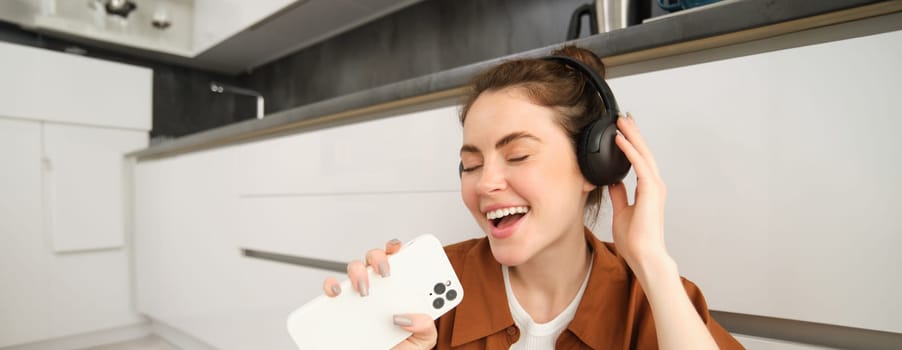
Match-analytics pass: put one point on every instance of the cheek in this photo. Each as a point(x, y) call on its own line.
point(551, 183)
point(566, 169)
point(527, 183)
point(468, 194)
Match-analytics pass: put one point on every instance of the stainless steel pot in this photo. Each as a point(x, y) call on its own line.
point(616, 14)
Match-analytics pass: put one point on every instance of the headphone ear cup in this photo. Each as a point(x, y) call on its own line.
point(600, 160)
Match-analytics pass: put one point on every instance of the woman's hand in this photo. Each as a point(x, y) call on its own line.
point(639, 236)
point(422, 326)
point(639, 228)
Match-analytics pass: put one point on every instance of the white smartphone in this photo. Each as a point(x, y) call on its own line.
point(421, 281)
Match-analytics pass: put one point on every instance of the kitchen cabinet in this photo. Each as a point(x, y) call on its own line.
point(63, 262)
point(782, 170)
point(64, 265)
point(351, 188)
point(23, 270)
point(45, 85)
point(85, 184)
point(216, 20)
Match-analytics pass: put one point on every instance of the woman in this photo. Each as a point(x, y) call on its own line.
point(540, 279)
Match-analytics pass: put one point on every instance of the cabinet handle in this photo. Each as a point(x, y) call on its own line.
point(330, 265)
point(49, 198)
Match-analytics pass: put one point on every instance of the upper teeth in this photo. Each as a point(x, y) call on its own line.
point(500, 213)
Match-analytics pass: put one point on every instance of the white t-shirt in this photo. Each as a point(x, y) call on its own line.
point(534, 336)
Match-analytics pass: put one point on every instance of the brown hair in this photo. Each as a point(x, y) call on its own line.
point(554, 85)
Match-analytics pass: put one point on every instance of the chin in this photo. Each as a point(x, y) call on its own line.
point(508, 254)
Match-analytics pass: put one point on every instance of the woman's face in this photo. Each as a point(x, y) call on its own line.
point(521, 180)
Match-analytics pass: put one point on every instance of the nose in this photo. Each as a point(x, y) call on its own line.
point(492, 178)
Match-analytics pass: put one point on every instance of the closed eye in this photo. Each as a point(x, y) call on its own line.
point(518, 159)
point(467, 170)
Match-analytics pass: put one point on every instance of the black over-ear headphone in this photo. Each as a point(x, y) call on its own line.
point(600, 160)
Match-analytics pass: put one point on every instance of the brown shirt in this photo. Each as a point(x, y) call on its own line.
point(613, 313)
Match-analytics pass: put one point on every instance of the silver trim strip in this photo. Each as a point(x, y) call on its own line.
point(811, 333)
point(329, 265)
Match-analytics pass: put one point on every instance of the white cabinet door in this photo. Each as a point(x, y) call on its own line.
point(337, 192)
point(46, 85)
point(782, 171)
point(84, 184)
point(24, 286)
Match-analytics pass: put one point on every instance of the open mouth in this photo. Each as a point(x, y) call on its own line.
point(502, 218)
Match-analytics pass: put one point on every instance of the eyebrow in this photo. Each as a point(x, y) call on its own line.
point(514, 136)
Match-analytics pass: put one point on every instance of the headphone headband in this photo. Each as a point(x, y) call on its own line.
point(607, 97)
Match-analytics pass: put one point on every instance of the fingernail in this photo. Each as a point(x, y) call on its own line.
point(383, 269)
point(402, 321)
point(394, 241)
point(336, 289)
point(363, 287)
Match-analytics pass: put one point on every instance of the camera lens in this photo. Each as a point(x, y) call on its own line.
point(439, 288)
point(452, 294)
point(438, 303)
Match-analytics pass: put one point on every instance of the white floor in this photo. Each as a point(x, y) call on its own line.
point(147, 343)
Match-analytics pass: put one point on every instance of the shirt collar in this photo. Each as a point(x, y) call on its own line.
point(486, 311)
point(604, 302)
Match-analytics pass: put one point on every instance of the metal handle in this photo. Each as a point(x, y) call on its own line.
point(223, 88)
point(576, 21)
point(49, 196)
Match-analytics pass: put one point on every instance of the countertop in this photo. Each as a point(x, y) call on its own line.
point(724, 23)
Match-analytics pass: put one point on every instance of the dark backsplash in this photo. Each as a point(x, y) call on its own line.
point(424, 38)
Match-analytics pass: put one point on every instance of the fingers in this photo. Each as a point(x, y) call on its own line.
point(331, 287)
point(627, 126)
point(423, 328)
point(618, 196)
point(378, 259)
point(639, 162)
point(359, 279)
point(649, 182)
point(392, 246)
point(357, 271)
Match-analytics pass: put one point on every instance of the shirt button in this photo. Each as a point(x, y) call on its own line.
point(512, 331)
